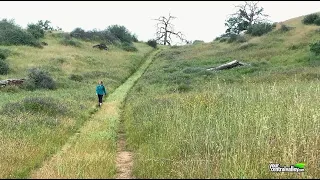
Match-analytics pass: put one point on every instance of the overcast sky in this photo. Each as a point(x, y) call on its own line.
point(198, 20)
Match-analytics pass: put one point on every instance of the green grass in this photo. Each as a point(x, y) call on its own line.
point(185, 122)
point(30, 137)
point(91, 153)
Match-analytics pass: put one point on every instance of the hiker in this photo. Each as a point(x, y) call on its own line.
point(100, 91)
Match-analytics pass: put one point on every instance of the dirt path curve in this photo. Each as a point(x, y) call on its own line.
point(98, 149)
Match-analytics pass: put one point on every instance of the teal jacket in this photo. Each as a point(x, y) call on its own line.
point(100, 90)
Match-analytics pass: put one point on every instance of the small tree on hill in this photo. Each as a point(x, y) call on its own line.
point(245, 16)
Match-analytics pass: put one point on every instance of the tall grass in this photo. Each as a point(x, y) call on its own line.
point(92, 152)
point(28, 138)
point(227, 131)
point(185, 122)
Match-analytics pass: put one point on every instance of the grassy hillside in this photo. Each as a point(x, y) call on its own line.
point(185, 122)
point(35, 124)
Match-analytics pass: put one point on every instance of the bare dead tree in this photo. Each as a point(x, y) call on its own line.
point(250, 12)
point(165, 29)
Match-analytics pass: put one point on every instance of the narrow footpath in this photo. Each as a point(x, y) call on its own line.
point(98, 149)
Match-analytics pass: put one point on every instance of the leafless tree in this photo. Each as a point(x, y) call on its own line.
point(165, 29)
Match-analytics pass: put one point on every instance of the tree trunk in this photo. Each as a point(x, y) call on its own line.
point(229, 65)
point(11, 82)
point(165, 38)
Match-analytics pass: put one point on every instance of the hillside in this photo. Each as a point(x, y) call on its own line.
point(183, 121)
point(35, 124)
point(172, 116)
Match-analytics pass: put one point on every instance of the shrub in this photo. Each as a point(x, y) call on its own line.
point(70, 42)
point(110, 38)
point(114, 34)
point(39, 79)
point(223, 39)
point(128, 47)
point(45, 25)
point(36, 31)
point(315, 48)
point(11, 34)
point(78, 33)
point(197, 42)
point(152, 43)
point(317, 21)
point(284, 28)
point(76, 77)
point(135, 38)
point(4, 53)
point(120, 32)
point(309, 19)
point(4, 67)
point(259, 29)
point(232, 38)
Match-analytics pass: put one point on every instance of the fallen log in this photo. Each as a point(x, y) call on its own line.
point(101, 46)
point(11, 82)
point(228, 65)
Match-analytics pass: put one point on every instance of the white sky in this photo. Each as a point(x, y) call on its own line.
point(198, 20)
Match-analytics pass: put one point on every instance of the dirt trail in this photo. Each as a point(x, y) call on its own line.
point(124, 159)
point(89, 153)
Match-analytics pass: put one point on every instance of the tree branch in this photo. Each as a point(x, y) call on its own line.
point(165, 29)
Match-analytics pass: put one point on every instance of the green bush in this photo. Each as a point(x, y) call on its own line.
point(259, 29)
point(70, 42)
point(315, 48)
point(76, 77)
point(284, 28)
point(128, 47)
point(309, 19)
point(152, 43)
point(317, 21)
point(36, 31)
point(114, 34)
point(78, 33)
point(223, 39)
point(4, 67)
point(232, 38)
point(198, 42)
point(39, 79)
point(4, 53)
point(121, 32)
point(135, 38)
point(12, 34)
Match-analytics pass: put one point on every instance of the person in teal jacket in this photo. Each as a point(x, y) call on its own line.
point(100, 91)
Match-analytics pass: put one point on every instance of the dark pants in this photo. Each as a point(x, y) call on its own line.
point(100, 98)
